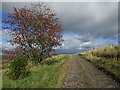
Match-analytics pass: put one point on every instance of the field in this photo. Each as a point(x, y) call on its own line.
point(47, 75)
point(106, 59)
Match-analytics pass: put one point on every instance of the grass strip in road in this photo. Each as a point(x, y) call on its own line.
point(89, 79)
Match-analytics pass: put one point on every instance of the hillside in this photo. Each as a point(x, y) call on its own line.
point(106, 59)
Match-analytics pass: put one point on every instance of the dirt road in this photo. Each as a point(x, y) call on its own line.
point(83, 74)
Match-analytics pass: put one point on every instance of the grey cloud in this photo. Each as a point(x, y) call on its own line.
point(5, 35)
point(77, 43)
point(96, 19)
point(7, 46)
point(88, 21)
point(7, 7)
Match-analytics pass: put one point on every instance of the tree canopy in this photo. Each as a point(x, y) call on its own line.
point(36, 30)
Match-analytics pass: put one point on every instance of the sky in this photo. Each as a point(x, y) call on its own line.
point(86, 25)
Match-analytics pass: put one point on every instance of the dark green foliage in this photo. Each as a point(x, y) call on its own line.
point(47, 76)
point(18, 68)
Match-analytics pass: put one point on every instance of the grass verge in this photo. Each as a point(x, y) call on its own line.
point(109, 66)
point(43, 76)
point(105, 59)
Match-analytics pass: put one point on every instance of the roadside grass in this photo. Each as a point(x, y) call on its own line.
point(5, 63)
point(42, 76)
point(105, 59)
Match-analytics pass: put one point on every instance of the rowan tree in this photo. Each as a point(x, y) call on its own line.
point(36, 30)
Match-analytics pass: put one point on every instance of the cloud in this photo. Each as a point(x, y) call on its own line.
point(7, 46)
point(92, 19)
point(85, 22)
point(62, 0)
point(95, 19)
point(5, 35)
point(74, 42)
point(7, 7)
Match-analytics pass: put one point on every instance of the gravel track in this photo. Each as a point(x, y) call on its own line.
point(83, 74)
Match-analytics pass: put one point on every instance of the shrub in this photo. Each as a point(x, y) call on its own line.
point(18, 68)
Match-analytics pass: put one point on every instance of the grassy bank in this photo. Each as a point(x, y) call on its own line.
point(106, 59)
point(43, 76)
